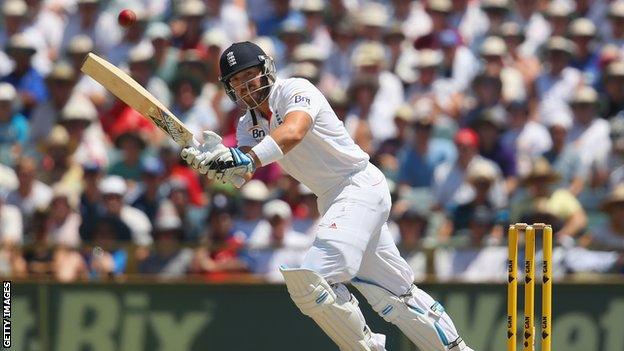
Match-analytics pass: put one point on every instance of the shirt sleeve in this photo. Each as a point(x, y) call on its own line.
point(243, 135)
point(301, 95)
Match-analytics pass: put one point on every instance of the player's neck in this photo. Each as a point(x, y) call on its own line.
point(264, 109)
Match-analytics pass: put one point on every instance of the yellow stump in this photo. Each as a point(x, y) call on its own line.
point(547, 289)
point(512, 286)
point(529, 290)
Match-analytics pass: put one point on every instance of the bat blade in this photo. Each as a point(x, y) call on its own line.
point(134, 95)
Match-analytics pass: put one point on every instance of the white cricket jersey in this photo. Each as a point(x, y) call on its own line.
point(326, 155)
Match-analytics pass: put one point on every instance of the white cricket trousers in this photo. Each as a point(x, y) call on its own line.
point(353, 239)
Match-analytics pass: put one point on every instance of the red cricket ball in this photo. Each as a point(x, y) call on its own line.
point(126, 17)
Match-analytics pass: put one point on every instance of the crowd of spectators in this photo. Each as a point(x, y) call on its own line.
point(481, 113)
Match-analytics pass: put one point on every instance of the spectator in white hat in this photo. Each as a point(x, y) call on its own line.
point(253, 195)
point(141, 68)
point(76, 52)
point(529, 17)
point(304, 56)
point(100, 26)
point(420, 156)
point(338, 63)
point(385, 156)
point(372, 18)
point(231, 18)
point(80, 118)
point(188, 25)
point(313, 11)
point(496, 11)
point(468, 17)
point(188, 106)
point(587, 57)
point(362, 91)
point(369, 58)
point(556, 85)
point(165, 55)
point(438, 13)
point(26, 79)
point(542, 198)
point(459, 63)
point(44, 21)
point(14, 127)
point(590, 134)
point(192, 216)
point(413, 18)
point(60, 83)
point(113, 189)
point(31, 194)
point(481, 176)
point(168, 259)
point(493, 52)
point(215, 40)
point(431, 87)
point(149, 193)
point(130, 146)
point(527, 138)
point(563, 156)
point(276, 244)
point(16, 20)
point(528, 66)
point(58, 165)
point(63, 219)
point(559, 13)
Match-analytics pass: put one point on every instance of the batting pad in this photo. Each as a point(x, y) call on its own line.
point(418, 317)
point(335, 310)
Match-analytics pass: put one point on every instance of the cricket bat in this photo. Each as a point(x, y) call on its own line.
point(134, 95)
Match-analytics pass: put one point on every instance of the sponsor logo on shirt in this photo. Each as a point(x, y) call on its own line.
point(257, 133)
point(302, 100)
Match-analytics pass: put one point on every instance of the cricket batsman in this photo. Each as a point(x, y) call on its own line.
point(289, 121)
